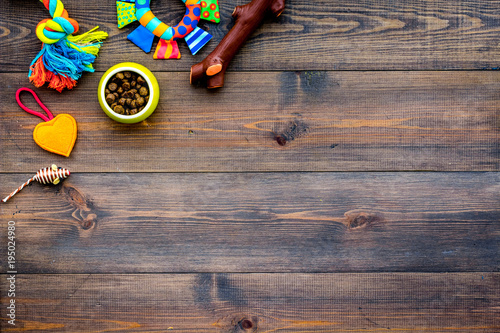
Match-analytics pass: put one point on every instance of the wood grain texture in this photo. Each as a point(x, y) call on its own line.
point(190, 220)
point(466, 302)
point(269, 222)
point(333, 121)
point(319, 35)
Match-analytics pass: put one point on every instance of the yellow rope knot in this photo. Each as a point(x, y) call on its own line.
point(52, 30)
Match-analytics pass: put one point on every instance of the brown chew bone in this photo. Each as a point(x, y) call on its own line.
point(247, 18)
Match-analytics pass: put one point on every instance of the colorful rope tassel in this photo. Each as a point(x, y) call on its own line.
point(64, 57)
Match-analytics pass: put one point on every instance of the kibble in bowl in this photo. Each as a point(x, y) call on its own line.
point(128, 92)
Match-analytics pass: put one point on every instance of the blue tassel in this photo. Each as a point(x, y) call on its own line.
point(61, 59)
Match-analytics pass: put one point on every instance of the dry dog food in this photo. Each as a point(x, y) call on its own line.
point(127, 93)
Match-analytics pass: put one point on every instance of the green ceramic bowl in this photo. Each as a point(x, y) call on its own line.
point(154, 92)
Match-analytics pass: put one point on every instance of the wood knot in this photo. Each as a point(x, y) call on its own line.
point(358, 218)
point(281, 140)
point(246, 324)
point(74, 196)
point(237, 323)
point(85, 212)
point(293, 130)
point(88, 221)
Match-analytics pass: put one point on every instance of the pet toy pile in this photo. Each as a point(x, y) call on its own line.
point(64, 57)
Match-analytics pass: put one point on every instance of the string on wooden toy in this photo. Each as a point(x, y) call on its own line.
point(63, 57)
point(50, 175)
point(129, 11)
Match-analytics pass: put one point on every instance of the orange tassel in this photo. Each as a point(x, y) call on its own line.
point(39, 75)
point(59, 82)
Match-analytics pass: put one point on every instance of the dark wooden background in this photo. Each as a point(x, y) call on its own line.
point(381, 213)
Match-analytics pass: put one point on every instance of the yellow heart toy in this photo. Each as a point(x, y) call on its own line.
point(56, 134)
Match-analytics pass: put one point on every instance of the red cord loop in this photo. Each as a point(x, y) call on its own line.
point(36, 113)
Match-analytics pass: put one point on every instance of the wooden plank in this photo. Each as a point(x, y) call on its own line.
point(263, 222)
point(465, 302)
point(335, 121)
point(319, 35)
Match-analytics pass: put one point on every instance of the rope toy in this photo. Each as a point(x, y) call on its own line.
point(56, 134)
point(52, 175)
point(64, 57)
point(129, 11)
